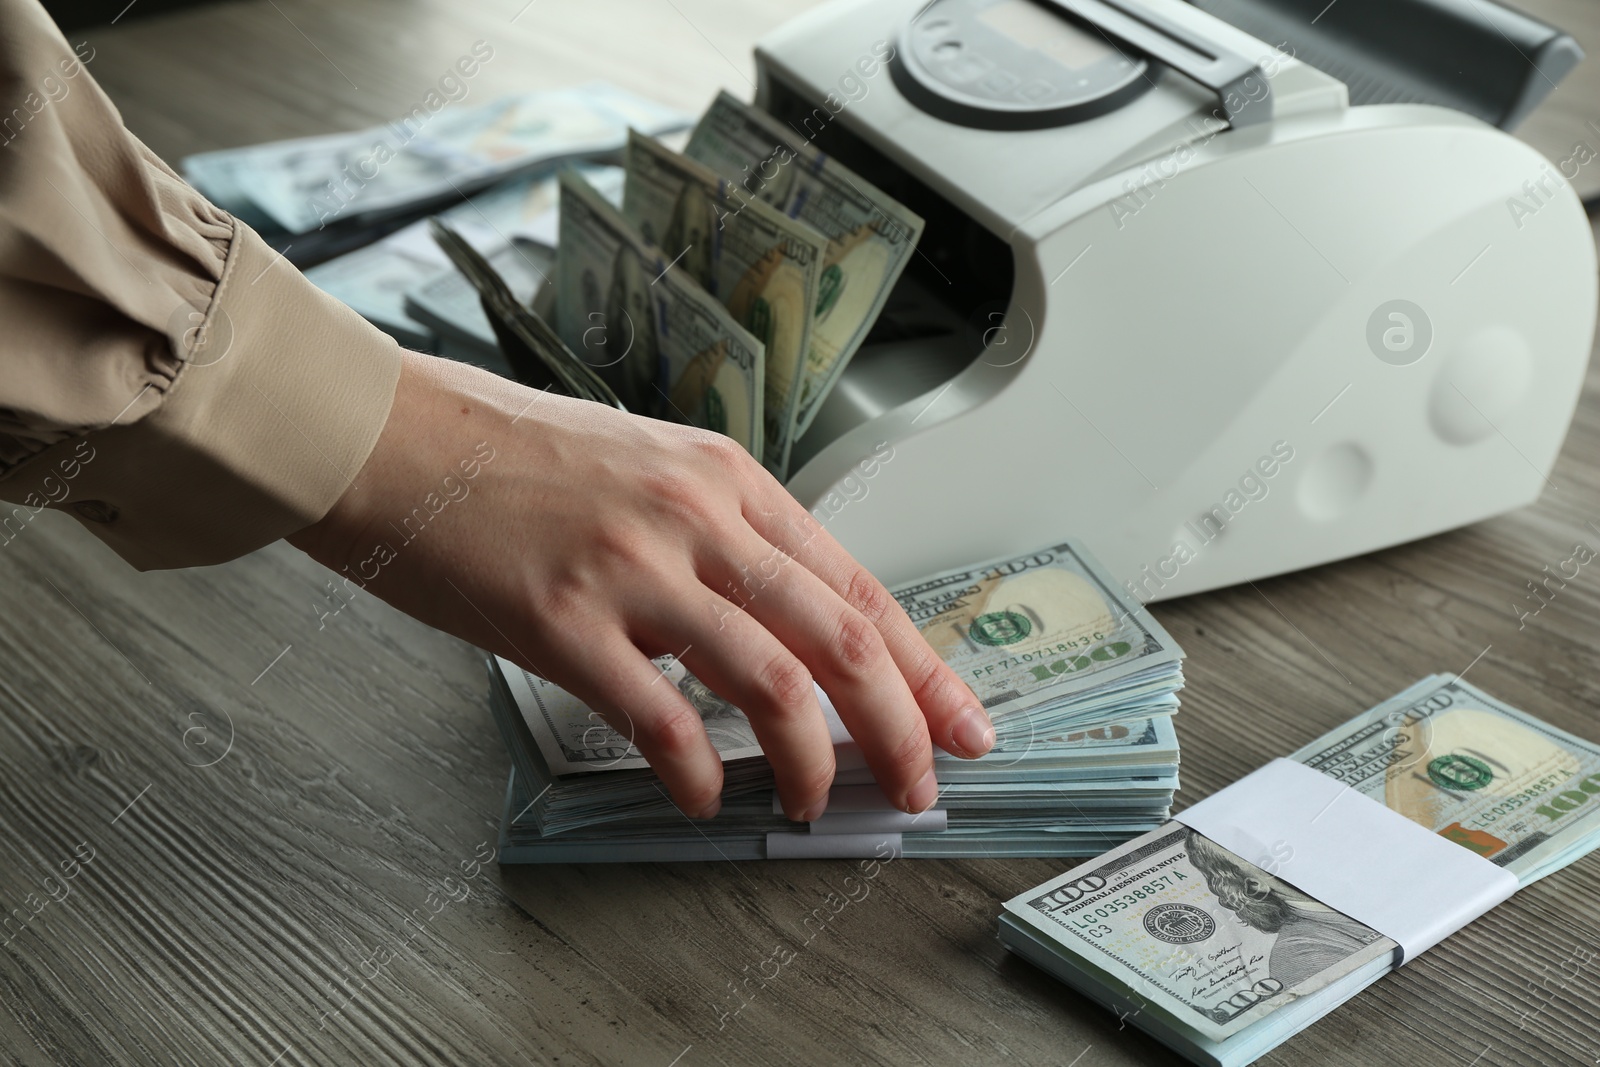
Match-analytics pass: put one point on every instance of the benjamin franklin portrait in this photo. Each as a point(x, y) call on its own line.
point(1311, 936)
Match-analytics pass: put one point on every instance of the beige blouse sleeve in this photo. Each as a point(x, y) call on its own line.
point(165, 376)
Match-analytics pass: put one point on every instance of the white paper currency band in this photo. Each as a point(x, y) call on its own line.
point(791, 846)
point(1352, 853)
point(933, 821)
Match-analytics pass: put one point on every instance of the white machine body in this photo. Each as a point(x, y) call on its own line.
point(1229, 350)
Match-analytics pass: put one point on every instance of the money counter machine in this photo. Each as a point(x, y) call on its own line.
point(1224, 290)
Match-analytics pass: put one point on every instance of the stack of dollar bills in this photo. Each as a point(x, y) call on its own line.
point(726, 286)
point(734, 282)
point(1222, 960)
point(1081, 683)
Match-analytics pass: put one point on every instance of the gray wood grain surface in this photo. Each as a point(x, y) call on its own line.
point(272, 827)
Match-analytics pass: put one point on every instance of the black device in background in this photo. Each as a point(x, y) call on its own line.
point(76, 14)
point(1486, 59)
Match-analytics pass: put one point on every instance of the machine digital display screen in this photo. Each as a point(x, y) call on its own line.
point(1032, 26)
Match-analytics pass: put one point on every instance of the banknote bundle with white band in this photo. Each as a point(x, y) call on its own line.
point(1352, 853)
point(1251, 915)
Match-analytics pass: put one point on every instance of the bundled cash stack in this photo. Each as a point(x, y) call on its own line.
point(1415, 817)
point(1080, 681)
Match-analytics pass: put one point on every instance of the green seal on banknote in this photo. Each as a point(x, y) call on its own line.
point(832, 284)
point(1000, 628)
point(1458, 771)
point(758, 320)
point(716, 411)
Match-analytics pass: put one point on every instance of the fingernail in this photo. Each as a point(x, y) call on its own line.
point(973, 733)
point(710, 810)
point(923, 794)
point(814, 812)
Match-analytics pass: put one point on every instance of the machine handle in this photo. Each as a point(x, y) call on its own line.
point(1222, 71)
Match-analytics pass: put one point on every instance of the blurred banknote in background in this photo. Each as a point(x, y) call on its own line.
point(423, 157)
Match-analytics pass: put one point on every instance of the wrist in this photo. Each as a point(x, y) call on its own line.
point(444, 413)
point(334, 539)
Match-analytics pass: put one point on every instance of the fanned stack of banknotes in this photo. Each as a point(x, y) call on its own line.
point(726, 286)
point(1221, 960)
point(1080, 681)
point(728, 290)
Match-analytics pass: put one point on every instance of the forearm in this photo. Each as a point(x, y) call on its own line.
point(164, 376)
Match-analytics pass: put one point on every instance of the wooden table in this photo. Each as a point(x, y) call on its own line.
point(271, 806)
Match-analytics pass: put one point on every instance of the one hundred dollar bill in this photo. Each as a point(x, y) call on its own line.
point(1489, 777)
point(1039, 628)
point(573, 739)
point(376, 279)
point(762, 265)
point(306, 183)
point(445, 302)
point(220, 175)
point(1022, 753)
point(871, 236)
point(1210, 939)
point(662, 342)
point(528, 343)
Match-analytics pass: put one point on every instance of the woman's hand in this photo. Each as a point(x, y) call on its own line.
point(584, 542)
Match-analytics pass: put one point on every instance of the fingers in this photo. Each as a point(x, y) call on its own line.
point(850, 660)
point(746, 665)
point(956, 721)
point(640, 704)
